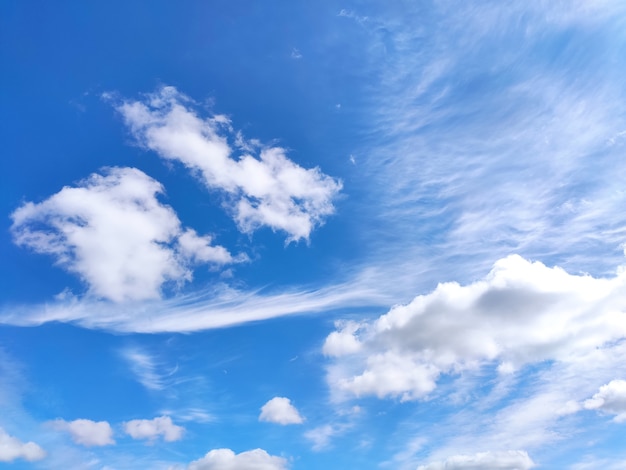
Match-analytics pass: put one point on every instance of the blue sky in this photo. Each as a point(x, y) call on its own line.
point(241, 235)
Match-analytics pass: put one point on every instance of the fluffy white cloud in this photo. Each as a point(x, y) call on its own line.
point(506, 460)
point(521, 313)
point(226, 459)
point(611, 398)
point(270, 190)
point(11, 448)
point(280, 410)
point(112, 231)
point(153, 428)
point(86, 432)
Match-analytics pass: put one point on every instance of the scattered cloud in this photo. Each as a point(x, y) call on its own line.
point(521, 313)
point(86, 432)
point(226, 459)
point(611, 398)
point(265, 191)
point(280, 410)
point(145, 368)
point(11, 448)
point(113, 232)
point(296, 54)
point(151, 429)
point(503, 460)
point(352, 15)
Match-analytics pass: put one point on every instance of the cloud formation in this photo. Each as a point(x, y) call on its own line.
point(152, 429)
point(521, 313)
point(226, 459)
point(611, 398)
point(144, 367)
point(280, 410)
point(86, 432)
point(265, 191)
point(505, 460)
point(11, 448)
point(114, 233)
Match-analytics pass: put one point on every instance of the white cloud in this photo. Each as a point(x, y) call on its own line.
point(112, 231)
point(12, 448)
point(504, 460)
point(144, 367)
point(342, 341)
point(213, 308)
point(86, 432)
point(153, 428)
point(226, 459)
point(270, 190)
point(611, 398)
point(322, 436)
point(280, 410)
point(521, 313)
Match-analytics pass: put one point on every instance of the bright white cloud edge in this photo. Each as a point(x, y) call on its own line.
point(114, 233)
point(610, 398)
point(265, 191)
point(521, 313)
point(226, 459)
point(279, 410)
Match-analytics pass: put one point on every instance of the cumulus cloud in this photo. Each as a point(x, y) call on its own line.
point(153, 428)
point(269, 190)
point(280, 410)
point(522, 312)
point(11, 448)
point(505, 460)
point(113, 232)
point(611, 398)
point(86, 432)
point(226, 459)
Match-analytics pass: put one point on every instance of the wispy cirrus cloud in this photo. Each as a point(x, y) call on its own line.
point(146, 368)
point(479, 146)
point(215, 308)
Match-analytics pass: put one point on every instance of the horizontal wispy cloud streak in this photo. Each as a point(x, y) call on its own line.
point(214, 309)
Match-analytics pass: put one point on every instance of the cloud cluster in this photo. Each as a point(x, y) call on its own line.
point(226, 459)
point(114, 233)
point(86, 432)
point(152, 429)
point(521, 313)
point(611, 398)
point(11, 448)
point(280, 410)
point(504, 460)
point(90, 433)
point(270, 190)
